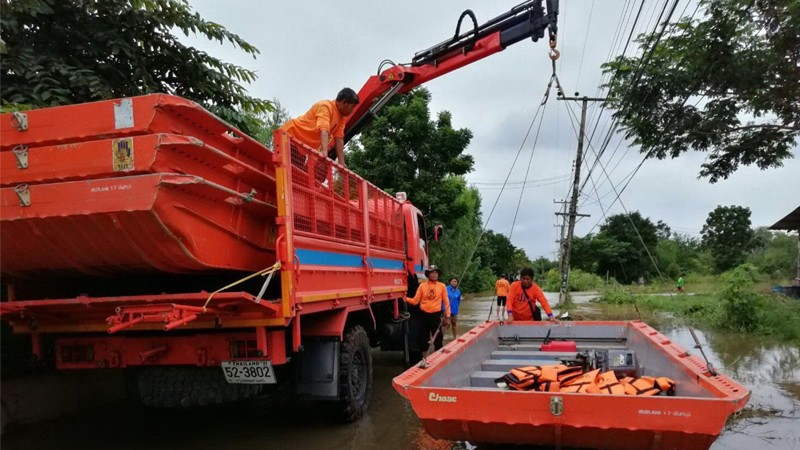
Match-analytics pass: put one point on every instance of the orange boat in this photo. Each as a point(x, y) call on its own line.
point(156, 222)
point(132, 116)
point(455, 395)
point(151, 184)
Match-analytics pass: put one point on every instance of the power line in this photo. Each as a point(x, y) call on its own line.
point(530, 160)
point(585, 40)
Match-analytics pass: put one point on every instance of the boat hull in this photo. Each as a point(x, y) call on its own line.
point(144, 223)
point(451, 408)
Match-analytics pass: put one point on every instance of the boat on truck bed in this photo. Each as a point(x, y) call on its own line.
point(456, 395)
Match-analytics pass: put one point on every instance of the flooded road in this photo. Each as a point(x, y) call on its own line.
point(771, 370)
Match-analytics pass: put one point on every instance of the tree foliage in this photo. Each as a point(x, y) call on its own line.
point(58, 52)
point(268, 122)
point(617, 250)
point(727, 234)
point(499, 253)
point(452, 254)
point(727, 84)
point(774, 253)
point(404, 150)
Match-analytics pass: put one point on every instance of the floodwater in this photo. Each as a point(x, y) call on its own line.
point(770, 369)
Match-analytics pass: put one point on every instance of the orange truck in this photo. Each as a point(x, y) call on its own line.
point(146, 234)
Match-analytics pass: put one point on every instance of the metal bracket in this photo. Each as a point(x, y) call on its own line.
point(24, 195)
point(264, 288)
point(556, 406)
point(19, 120)
point(21, 152)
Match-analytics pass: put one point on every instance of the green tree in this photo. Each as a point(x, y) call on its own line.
point(663, 231)
point(617, 250)
point(503, 253)
point(774, 253)
point(58, 52)
point(269, 122)
point(680, 253)
point(453, 253)
point(727, 234)
point(404, 150)
point(726, 84)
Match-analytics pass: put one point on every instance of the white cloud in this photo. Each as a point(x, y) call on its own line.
point(309, 50)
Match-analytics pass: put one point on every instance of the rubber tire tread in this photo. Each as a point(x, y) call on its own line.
point(186, 387)
point(349, 408)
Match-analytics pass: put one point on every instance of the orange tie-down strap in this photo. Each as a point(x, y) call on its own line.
point(573, 379)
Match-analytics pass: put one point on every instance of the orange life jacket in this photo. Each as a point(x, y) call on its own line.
point(540, 378)
point(586, 383)
point(569, 373)
point(608, 384)
point(651, 386)
point(562, 378)
point(521, 378)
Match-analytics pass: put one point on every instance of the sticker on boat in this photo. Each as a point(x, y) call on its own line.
point(122, 154)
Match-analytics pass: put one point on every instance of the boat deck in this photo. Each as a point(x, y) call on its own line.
point(510, 356)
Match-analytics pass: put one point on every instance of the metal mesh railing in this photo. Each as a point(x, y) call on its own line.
point(385, 220)
point(328, 203)
point(326, 199)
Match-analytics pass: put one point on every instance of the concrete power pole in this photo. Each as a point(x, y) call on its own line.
point(572, 215)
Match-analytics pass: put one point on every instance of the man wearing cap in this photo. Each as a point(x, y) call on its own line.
point(325, 120)
point(433, 300)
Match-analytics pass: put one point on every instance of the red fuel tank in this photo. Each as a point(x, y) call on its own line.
point(559, 346)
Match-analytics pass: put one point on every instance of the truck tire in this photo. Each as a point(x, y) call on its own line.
point(185, 387)
point(355, 375)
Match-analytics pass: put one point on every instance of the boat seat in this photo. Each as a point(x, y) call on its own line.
point(506, 365)
point(485, 378)
point(531, 355)
point(581, 346)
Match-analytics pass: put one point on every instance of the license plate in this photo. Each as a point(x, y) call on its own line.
point(248, 372)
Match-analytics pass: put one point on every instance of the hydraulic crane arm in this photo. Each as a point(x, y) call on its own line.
point(526, 20)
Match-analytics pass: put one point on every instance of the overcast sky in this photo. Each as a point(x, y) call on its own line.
point(311, 49)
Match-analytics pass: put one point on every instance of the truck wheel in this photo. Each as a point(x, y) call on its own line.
point(175, 387)
point(355, 375)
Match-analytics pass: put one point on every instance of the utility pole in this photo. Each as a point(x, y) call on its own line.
point(572, 215)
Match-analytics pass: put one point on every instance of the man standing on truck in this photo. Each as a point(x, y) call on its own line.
point(501, 290)
point(325, 120)
point(433, 300)
point(522, 298)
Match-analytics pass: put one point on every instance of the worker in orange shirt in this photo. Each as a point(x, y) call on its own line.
point(501, 290)
point(324, 121)
point(433, 300)
point(522, 298)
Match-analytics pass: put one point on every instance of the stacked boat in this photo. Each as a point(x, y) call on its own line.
point(150, 184)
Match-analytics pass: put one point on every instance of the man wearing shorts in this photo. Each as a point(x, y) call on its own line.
point(501, 290)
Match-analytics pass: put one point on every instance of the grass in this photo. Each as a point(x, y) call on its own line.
point(752, 310)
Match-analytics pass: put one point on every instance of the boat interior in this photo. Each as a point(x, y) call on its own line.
point(617, 347)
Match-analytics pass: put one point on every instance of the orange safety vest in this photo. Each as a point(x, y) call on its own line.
point(569, 373)
point(539, 378)
point(651, 386)
point(586, 383)
point(608, 384)
point(571, 379)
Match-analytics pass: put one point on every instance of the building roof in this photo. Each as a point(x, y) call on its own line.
point(789, 223)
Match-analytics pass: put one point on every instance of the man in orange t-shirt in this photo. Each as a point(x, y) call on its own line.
point(325, 120)
point(501, 290)
point(433, 300)
point(522, 298)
